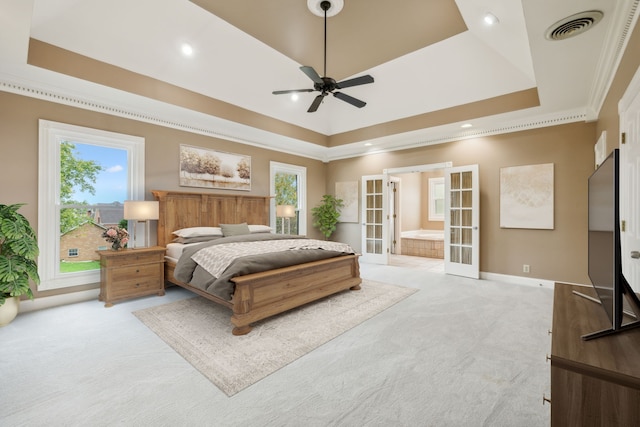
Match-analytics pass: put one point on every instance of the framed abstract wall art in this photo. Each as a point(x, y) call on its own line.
point(348, 193)
point(526, 196)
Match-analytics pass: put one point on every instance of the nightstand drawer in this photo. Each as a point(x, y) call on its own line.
point(131, 277)
point(134, 287)
point(135, 258)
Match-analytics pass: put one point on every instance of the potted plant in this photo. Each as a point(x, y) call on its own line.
point(326, 214)
point(18, 253)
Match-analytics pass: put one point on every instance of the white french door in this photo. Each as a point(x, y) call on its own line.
point(375, 219)
point(629, 109)
point(462, 221)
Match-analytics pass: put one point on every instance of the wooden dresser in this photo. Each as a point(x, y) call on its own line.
point(131, 273)
point(595, 382)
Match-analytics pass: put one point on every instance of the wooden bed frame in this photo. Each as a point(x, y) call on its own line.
point(260, 295)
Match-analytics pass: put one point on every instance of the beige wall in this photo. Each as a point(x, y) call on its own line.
point(558, 254)
point(19, 117)
point(410, 204)
point(414, 201)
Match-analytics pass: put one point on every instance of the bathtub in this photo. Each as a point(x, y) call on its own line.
point(424, 243)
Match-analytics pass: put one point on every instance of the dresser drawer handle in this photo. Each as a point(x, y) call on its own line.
point(137, 285)
point(137, 271)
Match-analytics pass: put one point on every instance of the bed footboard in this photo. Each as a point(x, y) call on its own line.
point(261, 295)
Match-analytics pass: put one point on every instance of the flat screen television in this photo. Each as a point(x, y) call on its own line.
point(605, 257)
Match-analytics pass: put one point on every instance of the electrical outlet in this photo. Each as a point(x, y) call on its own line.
point(525, 268)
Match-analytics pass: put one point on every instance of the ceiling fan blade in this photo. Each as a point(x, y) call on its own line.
point(315, 104)
point(281, 92)
point(362, 80)
point(350, 99)
point(312, 74)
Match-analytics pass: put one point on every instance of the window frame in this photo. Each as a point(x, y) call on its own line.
point(433, 182)
point(301, 172)
point(51, 134)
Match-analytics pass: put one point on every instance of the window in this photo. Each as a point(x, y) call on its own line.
point(436, 199)
point(289, 185)
point(55, 208)
point(72, 252)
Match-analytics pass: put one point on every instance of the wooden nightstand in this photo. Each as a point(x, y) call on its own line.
point(131, 273)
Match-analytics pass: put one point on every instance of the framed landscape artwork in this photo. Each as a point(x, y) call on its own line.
point(205, 168)
point(526, 197)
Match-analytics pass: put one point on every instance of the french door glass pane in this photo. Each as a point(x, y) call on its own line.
point(373, 215)
point(461, 205)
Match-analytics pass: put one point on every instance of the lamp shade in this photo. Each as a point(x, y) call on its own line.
point(285, 211)
point(141, 210)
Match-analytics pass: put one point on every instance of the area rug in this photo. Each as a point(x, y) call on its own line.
point(200, 331)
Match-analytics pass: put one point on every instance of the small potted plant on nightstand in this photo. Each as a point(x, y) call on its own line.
point(18, 253)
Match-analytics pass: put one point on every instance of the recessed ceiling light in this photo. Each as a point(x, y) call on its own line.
point(490, 19)
point(294, 97)
point(466, 125)
point(187, 49)
point(368, 144)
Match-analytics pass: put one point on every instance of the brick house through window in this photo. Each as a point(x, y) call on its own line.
point(81, 243)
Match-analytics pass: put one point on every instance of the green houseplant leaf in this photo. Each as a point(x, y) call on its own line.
point(326, 214)
point(18, 254)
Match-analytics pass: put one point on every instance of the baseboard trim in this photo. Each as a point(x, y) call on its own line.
point(56, 300)
point(518, 280)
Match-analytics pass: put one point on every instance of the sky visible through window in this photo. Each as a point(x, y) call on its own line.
point(111, 184)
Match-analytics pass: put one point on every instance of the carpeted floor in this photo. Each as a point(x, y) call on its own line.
point(458, 353)
point(200, 331)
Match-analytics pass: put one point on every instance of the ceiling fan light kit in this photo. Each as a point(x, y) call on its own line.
point(327, 85)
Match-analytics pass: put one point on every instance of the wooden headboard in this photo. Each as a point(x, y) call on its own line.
point(181, 209)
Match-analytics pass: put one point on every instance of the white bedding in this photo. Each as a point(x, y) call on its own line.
point(174, 250)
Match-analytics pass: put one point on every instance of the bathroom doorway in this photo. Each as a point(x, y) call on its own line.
point(461, 242)
point(416, 234)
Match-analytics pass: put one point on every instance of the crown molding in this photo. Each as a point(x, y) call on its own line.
point(179, 118)
point(624, 20)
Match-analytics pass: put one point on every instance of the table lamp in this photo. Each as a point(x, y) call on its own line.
point(141, 211)
point(286, 211)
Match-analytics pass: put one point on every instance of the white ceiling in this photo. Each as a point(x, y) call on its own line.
point(144, 36)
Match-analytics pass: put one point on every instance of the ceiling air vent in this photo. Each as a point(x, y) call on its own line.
point(573, 25)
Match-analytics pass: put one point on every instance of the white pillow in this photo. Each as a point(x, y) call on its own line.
point(260, 228)
point(198, 231)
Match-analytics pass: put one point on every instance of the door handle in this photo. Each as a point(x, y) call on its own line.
point(635, 254)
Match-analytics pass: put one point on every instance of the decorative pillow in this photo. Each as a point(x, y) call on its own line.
point(260, 228)
point(196, 239)
point(235, 229)
point(198, 231)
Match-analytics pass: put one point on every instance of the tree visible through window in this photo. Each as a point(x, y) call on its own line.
point(288, 207)
point(287, 195)
point(76, 174)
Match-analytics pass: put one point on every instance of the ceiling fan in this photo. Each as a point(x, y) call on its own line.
point(327, 85)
